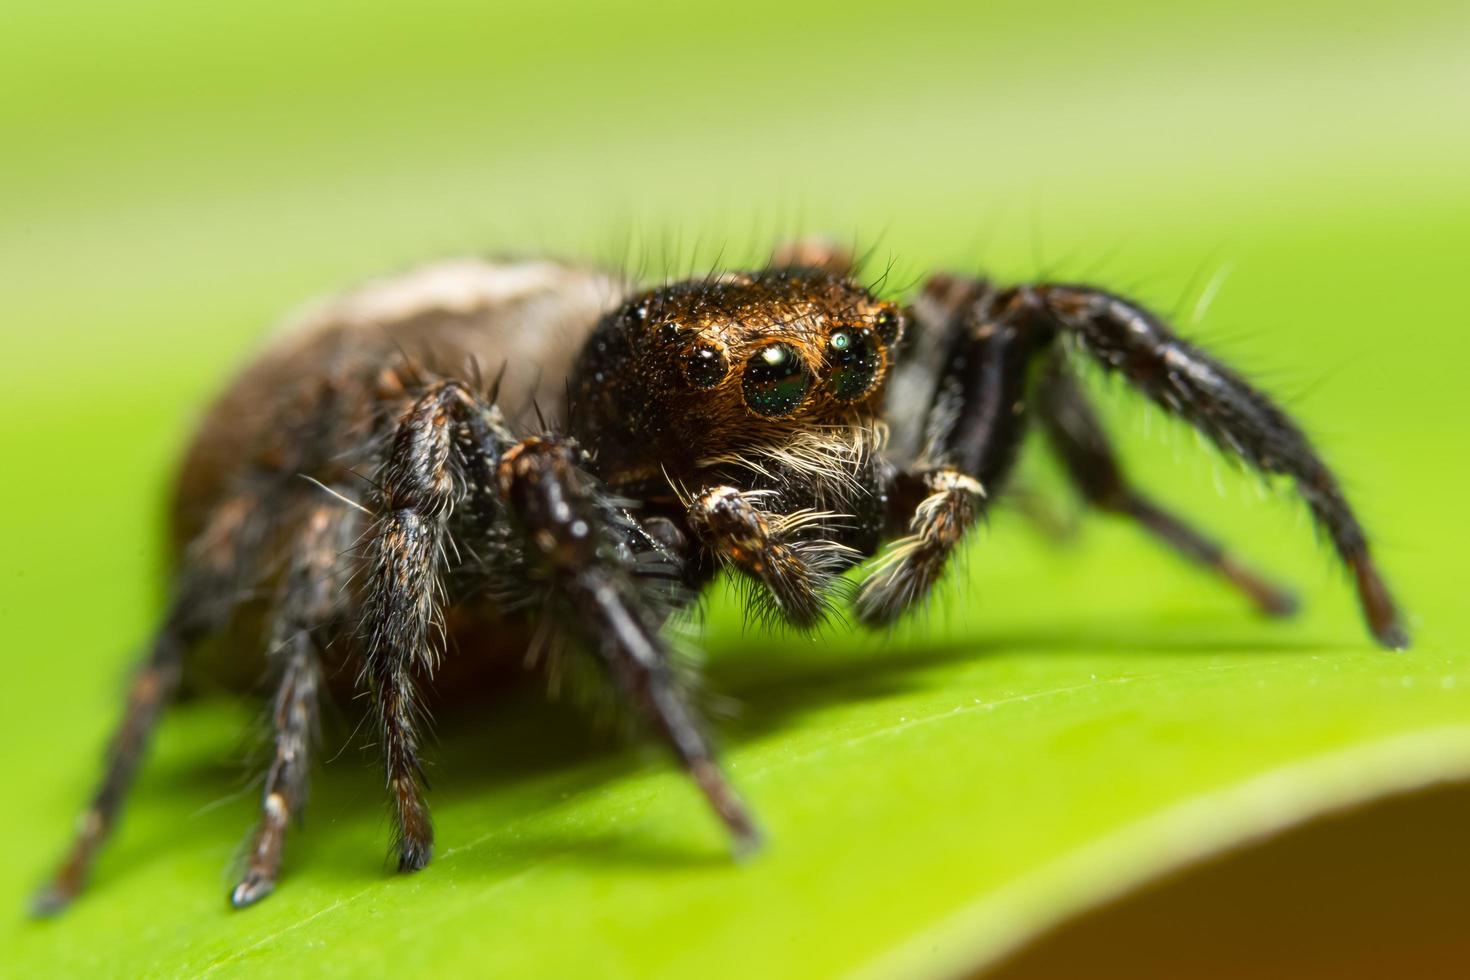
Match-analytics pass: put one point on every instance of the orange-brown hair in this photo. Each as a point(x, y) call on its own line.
point(706, 369)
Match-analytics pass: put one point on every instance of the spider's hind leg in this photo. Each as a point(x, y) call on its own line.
point(309, 603)
point(1087, 454)
point(206, 589)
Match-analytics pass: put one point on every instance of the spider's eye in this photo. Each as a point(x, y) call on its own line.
point(888, 326)
point(854, 360)
point(776, 380)
point(705, 366)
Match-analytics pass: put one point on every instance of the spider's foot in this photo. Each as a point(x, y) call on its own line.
point(903, 578)
point(1270, 599)
point(745, 838)
point(1278, 603)
point(414, 855)
point(51, 900)
point(1383, 616)
point(252, 888)
point(1394, 636)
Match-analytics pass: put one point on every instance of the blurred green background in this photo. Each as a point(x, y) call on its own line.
point(1066, 721)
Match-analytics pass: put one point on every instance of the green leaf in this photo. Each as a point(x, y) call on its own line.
point(1067, 720)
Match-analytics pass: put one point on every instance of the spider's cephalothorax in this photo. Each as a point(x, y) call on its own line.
point(687, 374)
point(360, 486)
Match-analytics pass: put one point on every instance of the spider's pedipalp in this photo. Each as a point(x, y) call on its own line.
point(908, 570)
point(797, 575)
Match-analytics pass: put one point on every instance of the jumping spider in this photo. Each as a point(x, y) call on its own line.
point(784, 423)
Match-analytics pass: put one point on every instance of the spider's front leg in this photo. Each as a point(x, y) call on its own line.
point(616, 584)
point(1087, 453)
point(977, 421)
point(1191, 384)
point(796, 574)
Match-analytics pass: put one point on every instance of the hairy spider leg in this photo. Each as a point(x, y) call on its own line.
point(977, 419)
point(972, 433)
point(796, 576)
point(1189, 383)
point(206, 590)
point(446, 438)
point(309, 603)
point(1080, 442)
point(586, 546)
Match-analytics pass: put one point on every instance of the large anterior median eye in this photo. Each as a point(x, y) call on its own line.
point(854, 361)
point(776, 380)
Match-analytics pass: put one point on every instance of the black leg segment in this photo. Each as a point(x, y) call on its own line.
point(1082, 445)
point(584, 544)
point(977, 422)
point(1191, 384)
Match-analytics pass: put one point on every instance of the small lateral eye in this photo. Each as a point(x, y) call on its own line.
point(776, 380)
point(705, 366)
point(853, 358)
point(888, 325)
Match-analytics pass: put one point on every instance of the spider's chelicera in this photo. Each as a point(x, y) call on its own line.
point(360, 491)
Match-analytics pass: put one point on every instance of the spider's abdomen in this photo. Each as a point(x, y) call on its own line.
point(325, 387)
point(316, 407)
